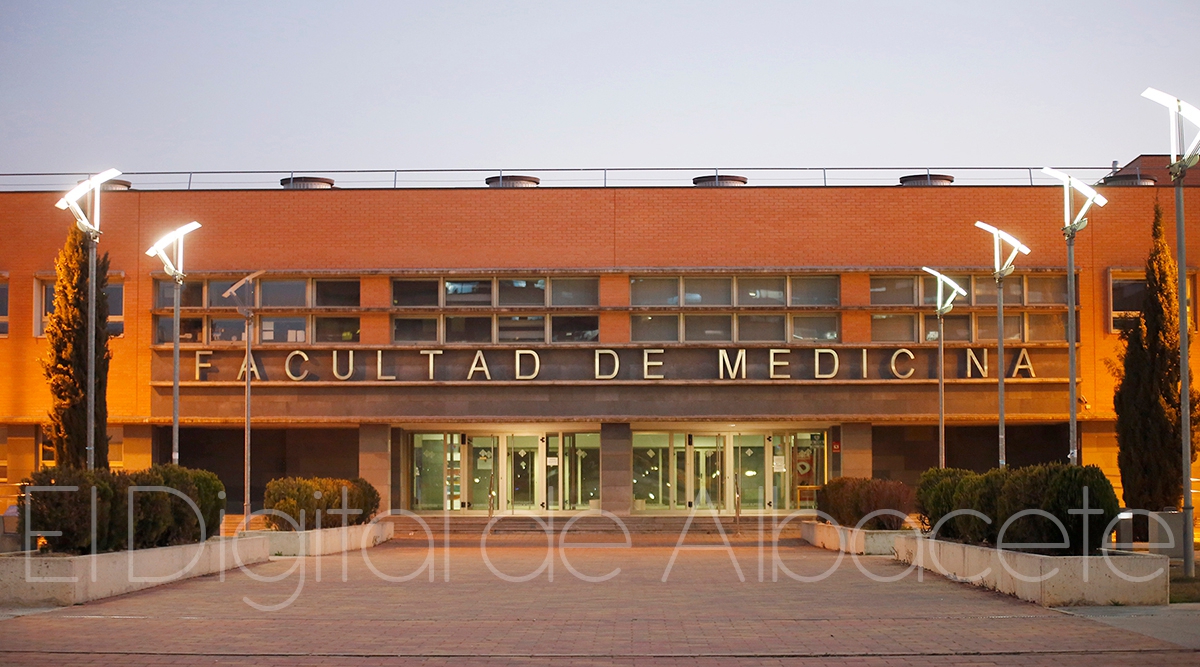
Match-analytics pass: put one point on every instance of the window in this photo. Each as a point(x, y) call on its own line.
point(816, 291)
point(191, 329)
point(654, 291)
point(415, 329)
point(575, 291)
point(1047, 327)
point(469, 329)
point(1046, 289)
point(761, 328)
point(468, 292)
point(530, 329)
point(985, 291)
point(707, 291)
point(893, 328)
point(336, 329)
point(116, 446)
point(283, 293)
point(1127, 294)
point(226, 329)
point(415, 293)
point(985, 327)
point(574, 328)
point(816, 327)
point(957, 327)
point(283, 329)
point(3, 454)
point(45, 450)
point(761, 291)
point(116, 308)
point(893, 290)
point(522, 291)
point(3, 309)
point(929, 287)
point(654, 328)
point(708, 328)
point(216, 294)
point(191, 294)
point(336, 294)
point(45, 298)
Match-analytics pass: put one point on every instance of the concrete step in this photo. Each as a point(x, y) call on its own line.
point(232, 522)
point(636, 524)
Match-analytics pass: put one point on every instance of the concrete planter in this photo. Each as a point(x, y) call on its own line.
point(326, 540)
point(850, 540)
point(29, 579)
point(1051, 581)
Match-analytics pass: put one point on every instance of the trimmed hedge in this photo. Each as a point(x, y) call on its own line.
point(304, 499)
point(1053, 488)
point(160, 519)
point(849, 499)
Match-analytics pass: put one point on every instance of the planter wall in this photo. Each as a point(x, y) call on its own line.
point(74, 583)
point(855, 541)
point(326, 540)
point(982, 566)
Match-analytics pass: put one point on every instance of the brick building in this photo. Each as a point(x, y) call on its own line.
point(629, 348)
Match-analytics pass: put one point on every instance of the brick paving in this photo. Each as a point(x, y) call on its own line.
point(702, 615)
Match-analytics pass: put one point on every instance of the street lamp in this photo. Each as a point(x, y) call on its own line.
point(247, 310)
point(175, 271)
point(92, 229)
point(1181, 160)
point(1072, 225)
point(945, 303)
point(1004, 268)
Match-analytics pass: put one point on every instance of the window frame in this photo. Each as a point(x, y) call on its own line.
point(7, 305)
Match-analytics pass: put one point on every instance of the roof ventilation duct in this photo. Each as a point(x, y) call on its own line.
point(306, 183)
point(926, 179)
point(719, 181)
point(513, 181)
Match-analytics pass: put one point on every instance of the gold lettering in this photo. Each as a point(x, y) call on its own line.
point(537, 364)
point(864, 368)
point(349, 366)
point(479, 364)
point(739, 363)
point(974, 360)
point(253, 369)
point(616, 365)
point(646, 364)
point(287, 365)
point(432, 354)
point(896, 354)
point(201, 364)
point(817, 363)
point(1024, 363)
point(774, 364)
point(379, 367)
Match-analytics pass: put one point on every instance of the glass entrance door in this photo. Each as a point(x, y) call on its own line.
point(751, 482)
point(651, 471)
point(707, 476)
point(481, 472)
point(522, 458)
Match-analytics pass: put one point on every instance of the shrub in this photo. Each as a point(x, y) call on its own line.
point(979, 493)
point(935, 497)
point(318, 496)
point(1026, 489)
point(185, 525)
point(1065, 493)
point(211, 494)
point(68, 512)
point(849, 499)
point(839, 498)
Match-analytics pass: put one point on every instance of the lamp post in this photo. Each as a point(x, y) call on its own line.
point(1181, 160)
point(945, 303)
point(1071, 226)
point(247, 310)
point(1003, 268)
point(92, 229)
point(175, 271)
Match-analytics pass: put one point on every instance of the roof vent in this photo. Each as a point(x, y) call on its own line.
point(114, 184)
point(306, 183)
point(719, 181)
point(926, 179)
point(513, 181)
point(1129, 178)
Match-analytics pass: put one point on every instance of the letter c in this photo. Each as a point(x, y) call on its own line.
point(287, 365)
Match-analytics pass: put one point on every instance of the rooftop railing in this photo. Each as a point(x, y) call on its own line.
point(551, 178)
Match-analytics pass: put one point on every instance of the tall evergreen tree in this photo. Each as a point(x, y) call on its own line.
point(1147, 395)
point(66, 366)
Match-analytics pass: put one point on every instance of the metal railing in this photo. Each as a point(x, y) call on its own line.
point(555, 177)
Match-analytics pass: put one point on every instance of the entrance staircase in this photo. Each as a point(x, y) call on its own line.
point(702, 523)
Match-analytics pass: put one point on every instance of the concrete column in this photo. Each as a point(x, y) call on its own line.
point(616, 468)
point(375, 460)
point(856, 450)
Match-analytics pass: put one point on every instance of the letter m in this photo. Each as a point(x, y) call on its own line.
point(739, 363)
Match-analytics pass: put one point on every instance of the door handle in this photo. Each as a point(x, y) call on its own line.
point(769, 504)
point(543, 505)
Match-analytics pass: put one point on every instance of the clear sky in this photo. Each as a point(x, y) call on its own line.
point(393, 85)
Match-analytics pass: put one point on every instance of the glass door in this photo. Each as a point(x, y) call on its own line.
point(781, 484)
point(651, 471)
point(708, 471)
point(521, 466)
point(808, 467)
point(482, 452)
point(750, 471)
point(552, 476)
point(581, 472)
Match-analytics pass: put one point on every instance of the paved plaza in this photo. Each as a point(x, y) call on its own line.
point(703, 614)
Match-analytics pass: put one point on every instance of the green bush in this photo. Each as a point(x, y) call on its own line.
point(849, 499)
point(979, 493)
point(318, 496)
point(1065, 493)
point(1025, 489)
point(935, 497)
point(211, 494)
point(839, 498)
point(185, 525)
point(68, 512)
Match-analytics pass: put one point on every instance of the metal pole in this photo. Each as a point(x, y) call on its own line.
point(175, 357)
point(1185, 408)
point(249, 365)
point(941, 389)
point(91, 333)
point(1000, 357)
point(1072, 379)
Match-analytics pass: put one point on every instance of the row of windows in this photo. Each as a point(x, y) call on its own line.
point(116, 308)
point(1029, 290)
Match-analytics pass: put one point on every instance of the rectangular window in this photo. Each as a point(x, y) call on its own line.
point(929, 287)
point(816, 291)
point(283, 293)
point(468, 292)
point(116, 308)
point(191, 329)
point(522, 292)
point(216, 294)
point(1047, 327)
point(756, 291)
point(985, 291)
point(3, 454)
point(893, 290)
point(958, 328)
point(654, 291)
point(530, 329)
point(698, 328)
point(415, 329)
point(816, 327)
point(985, 327)
point(574, 328)
point(1126, 304)
point(468, 329)
point(761, 328)
point(223, 330)
point(45, 296)
point(116, 446)
point(3, 309)
point(336, 293)
point(336, 329)
point(575, 291)
point(191, 294)
point(654, 328)
point(45, 451)
point(707, 291)
point(283, 330)
point(900, 328)
point(1046, 289)
point(415, 293)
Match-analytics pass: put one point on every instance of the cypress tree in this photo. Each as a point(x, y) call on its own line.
point(1147, 394)
point(66, 366)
